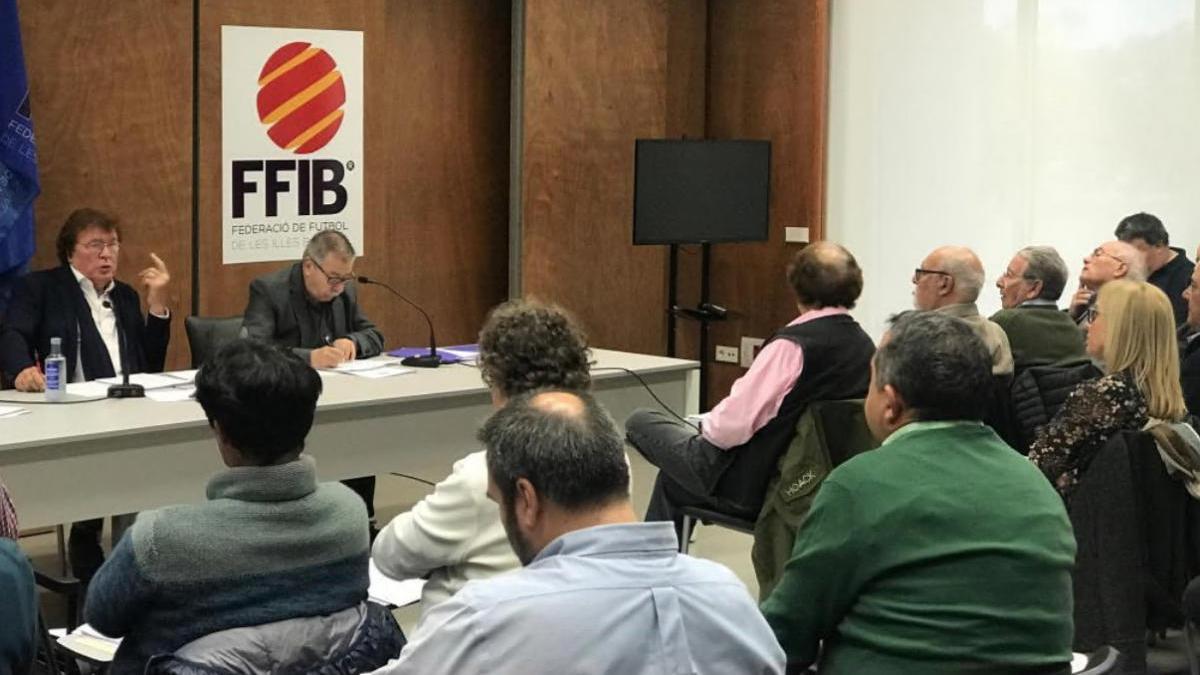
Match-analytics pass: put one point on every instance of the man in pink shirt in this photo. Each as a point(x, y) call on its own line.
point(823, 354)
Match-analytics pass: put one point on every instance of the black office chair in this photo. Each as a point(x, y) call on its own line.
point(699, 514)
point(207, 334)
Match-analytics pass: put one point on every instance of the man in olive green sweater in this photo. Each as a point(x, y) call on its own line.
point(1038, 332)
point(944, 551)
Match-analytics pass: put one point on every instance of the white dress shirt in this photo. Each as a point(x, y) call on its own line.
point(106, 323)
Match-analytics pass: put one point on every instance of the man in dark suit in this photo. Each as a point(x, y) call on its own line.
point(312, 307)
point(82, 303)
point(1189, 345)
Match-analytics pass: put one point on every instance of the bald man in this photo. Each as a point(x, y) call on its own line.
point(949, 281)
point(822, 355)
point(1109, 261)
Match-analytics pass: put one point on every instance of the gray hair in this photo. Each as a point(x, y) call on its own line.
point(963, 265)
point(328, 241)
point(575, 459)
point(1133, 259)
point(937, 364)
point(1047, 266)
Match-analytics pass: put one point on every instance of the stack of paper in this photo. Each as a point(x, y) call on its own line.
point(12, 411)
point(90, 643)
point(383, 371)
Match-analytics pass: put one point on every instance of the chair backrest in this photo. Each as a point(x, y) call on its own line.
point(207, 334)
point(828, 433)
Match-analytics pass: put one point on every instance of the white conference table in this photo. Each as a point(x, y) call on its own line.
point(66, 462)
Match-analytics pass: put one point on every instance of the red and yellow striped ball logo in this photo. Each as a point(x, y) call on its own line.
point(300, 97)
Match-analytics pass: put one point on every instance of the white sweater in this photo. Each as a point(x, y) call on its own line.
point(453, 535)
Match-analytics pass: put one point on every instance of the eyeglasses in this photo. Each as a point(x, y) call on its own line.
point(333, 280)
point(919, 272)
point(1101, 252)
point(98, 246)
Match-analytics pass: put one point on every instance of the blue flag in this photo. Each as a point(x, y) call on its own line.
point(18, 155)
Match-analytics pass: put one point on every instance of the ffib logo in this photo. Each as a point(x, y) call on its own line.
point(300, 95)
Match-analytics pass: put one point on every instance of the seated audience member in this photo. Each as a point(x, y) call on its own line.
point(84, 304)
point(600, 592)
point(1190, 346)
point(943, 551)
point(454, 534)
point(949, 281)
point(1132, 332)
point(1109, 261)
point(18, 596)
point(270, 544)
point(1168, 266)
point(823, 354)
point(1038, 333)
point(311, 307)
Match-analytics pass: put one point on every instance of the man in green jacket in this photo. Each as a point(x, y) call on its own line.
point(944, 551)
point(1038, 332)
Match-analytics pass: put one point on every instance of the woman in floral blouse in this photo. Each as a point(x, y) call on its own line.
point(1132, 331)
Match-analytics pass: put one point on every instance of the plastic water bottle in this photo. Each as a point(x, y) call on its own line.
point(56, 372)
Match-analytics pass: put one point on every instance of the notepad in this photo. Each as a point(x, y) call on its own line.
point(91, 643)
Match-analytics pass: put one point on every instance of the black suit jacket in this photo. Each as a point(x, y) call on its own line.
point(1189, 373)
point(50, 303)
point(279, 311)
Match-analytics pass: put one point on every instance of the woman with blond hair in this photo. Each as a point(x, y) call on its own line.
point(1132, 331)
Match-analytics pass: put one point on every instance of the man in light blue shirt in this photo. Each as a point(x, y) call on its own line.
point(600, 592)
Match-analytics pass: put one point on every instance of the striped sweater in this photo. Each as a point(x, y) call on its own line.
point(269, 544)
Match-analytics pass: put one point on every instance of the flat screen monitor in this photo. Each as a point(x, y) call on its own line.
point(690, 192)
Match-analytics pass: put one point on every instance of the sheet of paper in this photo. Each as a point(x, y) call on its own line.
point(359, 366)
point(88, 389)
point(385, 371)
point(91, 643)
point(387, 591)
point(147, 380)
point(171, 395)
point(12, 411)
point(185, 375)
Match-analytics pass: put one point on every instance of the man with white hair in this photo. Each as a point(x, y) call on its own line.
point(1110, 260)
point(949, 281)
point(1038, 332)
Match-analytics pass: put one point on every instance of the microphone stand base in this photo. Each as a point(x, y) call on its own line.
point(126, 391)
point(426, 361)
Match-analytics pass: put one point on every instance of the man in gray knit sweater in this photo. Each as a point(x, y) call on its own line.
point(270, 544)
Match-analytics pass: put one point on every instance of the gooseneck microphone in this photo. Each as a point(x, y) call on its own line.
point(125, 389)
point(430, 360)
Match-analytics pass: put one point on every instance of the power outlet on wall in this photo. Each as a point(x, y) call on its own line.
point(750, 347)
point(727, 354)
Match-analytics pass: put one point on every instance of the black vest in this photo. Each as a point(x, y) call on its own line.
point(837, 365)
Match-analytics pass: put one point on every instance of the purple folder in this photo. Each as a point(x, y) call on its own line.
point(447, 357)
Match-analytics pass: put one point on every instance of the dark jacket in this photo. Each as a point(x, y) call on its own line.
point(1136, 528)
point(1038, 393)
point(1173, 278)
point(356, 640)
point(279, 311)
point(1189, 374)
point(837, 366)
point(18, 610)
point(829, 433)
point(49, 303)
point(1040, 335)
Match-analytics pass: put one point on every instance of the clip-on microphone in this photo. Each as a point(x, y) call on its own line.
point(430, 360)
point(125, 389)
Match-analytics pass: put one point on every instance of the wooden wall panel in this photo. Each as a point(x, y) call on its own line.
point(598, 76)
point(436, 149)
point(767, 79)
point(111, 91)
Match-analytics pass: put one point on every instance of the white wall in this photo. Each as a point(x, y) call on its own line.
point(1001, 123)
